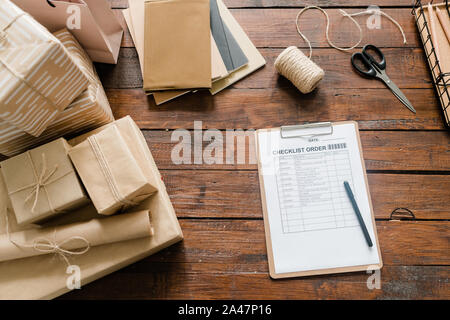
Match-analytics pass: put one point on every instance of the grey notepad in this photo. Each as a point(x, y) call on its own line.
point(232, 54)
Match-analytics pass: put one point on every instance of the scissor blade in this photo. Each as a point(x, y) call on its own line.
point(397, 92)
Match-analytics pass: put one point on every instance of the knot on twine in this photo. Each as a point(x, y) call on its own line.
point(299, 69)
point(42, 181)
point(47, 246)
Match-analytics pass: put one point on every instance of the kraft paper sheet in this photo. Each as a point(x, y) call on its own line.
point(43, 275)
point(177, 45)
point(39, 79)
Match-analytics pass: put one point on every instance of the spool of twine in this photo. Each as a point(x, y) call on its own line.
point(299, 69)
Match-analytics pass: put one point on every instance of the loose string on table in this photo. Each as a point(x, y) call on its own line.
point(294, 65)
point(350, 16)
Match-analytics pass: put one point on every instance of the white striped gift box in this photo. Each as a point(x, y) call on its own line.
point(38, 78)
point(90, 110)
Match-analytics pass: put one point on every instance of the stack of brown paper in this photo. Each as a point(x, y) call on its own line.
point(89, 110)
point(45, 277)
point(42, 183)
point(39, 77)
point(109, 171)
point(135, 19)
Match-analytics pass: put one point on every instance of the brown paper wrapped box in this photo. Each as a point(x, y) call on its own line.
point(38, 78)
point(112, 176)
point(42, 183)
point(90, 110)
point(43, 276)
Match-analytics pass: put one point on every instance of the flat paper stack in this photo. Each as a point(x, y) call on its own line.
point(186, 45)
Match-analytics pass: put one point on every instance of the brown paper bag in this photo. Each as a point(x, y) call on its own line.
point(177, 45)
point(109, 171)
point(42, 183)
point(99, 32)
point(38, 78)
point(89, 110)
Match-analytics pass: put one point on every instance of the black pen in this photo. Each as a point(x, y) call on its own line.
point(358, 213)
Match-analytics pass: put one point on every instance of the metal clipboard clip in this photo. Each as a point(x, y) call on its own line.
point(307, 130)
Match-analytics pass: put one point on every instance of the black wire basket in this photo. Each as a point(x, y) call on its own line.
point(441, 80)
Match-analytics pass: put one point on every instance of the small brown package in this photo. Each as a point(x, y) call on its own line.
point(42, 183)
point(111, 174)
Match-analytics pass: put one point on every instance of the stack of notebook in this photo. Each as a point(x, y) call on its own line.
point(187, 45)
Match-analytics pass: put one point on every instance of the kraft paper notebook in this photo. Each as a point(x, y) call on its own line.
point(311, 227)
point(177, 45)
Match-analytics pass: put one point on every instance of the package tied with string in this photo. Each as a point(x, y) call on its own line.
point(108, 167)
point(38, 77)
point(42, 183)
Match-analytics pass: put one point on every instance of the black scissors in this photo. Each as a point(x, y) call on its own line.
point(376, 69)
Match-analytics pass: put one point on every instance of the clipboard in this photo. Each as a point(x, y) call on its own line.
point(311, 131)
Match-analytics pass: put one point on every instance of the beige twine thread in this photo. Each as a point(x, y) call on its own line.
point(300, 69)
point(42, 180)
point(107, 173)
point(47, 246)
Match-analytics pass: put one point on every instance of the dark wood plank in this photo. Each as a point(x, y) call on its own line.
point(293, 3)
point(225, 271)
point(383, 150)
point(178, 281)
point(235, 194)
point(406, 67)
point(256, 108)
point(265, 26)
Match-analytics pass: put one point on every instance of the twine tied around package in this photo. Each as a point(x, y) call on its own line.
point(107, 173)
point(300, 69)
point(43, 179)
point(47, 246)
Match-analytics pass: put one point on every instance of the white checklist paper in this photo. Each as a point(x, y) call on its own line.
point(311, 220)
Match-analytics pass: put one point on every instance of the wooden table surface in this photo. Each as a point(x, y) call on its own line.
point(407, 157)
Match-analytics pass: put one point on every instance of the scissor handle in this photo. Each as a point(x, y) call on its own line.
point(380, 64)
point(370, 72)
